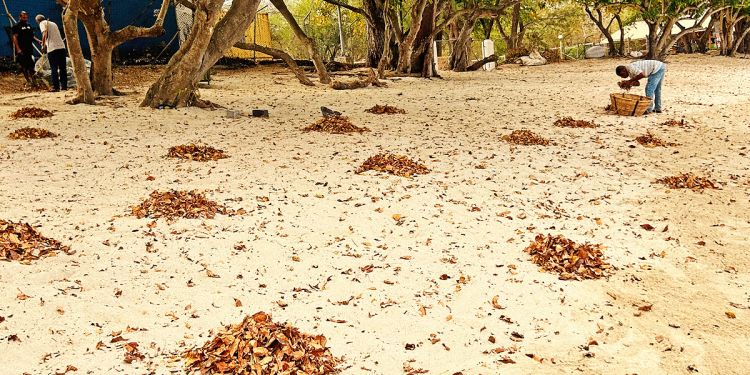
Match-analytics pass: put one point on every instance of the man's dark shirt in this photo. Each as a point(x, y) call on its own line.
point(25, 35)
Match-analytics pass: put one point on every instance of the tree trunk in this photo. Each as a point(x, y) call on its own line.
point(598, 20)
point(422, 61)
point(373, 11)
point(279, 54)
point(84, 93)
point(705, 37)
point(479, 64)
point(177, 86)
point(741, 39)
point(406, 46)
point(308, 42)
point(206, 44)
point(459, 59)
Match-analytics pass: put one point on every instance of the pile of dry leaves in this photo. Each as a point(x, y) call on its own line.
point(21, 242)
point(180, 204)
point(30, 112)
point(260, 346)
point(398, 165)
point(675, 123)
point(31, 133)
point(525, 138)
point(196, 153)
point(335, 125)
point(385, 109)
point(569, 122)
point(572, 261)
point(649, 140)
point(687, 181)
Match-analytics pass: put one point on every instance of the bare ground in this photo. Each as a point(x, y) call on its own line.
point(326, 235)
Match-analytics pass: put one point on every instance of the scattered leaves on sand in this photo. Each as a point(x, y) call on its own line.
point(673, 122)
point(31, 133)
point(525, 138)
point(569, 122)
point(30, 112)
point(687, 181)
point(570, 260)
point(260, 346)
point(180, 204)
point(385, 109)
point(335, 125)
point(132, 353)
point(196, 153)
point(398, 165)
point(21, 242)
point(649, 140)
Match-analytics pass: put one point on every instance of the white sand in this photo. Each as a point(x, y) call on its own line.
point(78, 188)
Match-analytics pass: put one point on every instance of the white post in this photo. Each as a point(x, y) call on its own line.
point(562, 57)
point(435, 55)
point(488, 49)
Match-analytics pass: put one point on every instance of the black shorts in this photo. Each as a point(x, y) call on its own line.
point(26, 61)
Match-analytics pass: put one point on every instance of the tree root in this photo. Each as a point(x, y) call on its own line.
point(371, 79)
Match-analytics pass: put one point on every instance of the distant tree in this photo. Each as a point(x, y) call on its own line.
point(605, 16)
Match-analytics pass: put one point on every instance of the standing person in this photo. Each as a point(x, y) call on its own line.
point(23, 43)
point(54, 46)
point(654, 70)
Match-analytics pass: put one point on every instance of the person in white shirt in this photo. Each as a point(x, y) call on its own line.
point(54, 46)
point(654, 70)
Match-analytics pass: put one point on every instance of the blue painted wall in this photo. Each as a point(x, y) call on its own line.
point(119, 13)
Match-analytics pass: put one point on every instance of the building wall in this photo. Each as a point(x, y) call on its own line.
point(259, 33)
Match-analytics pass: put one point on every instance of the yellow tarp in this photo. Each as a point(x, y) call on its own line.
point(259, 33)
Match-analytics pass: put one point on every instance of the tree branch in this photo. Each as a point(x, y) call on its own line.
point(131, 32)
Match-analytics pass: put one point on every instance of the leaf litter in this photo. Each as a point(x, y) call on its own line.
point(335, 125)
point(385, 110)
point(569, 122)
point(649, 140)
point(525, 138)
point(196, 153)
point(687, 181)
point(570, 260)
point(30, 112)
point(398, 165)
point(180, 204)
point(21, 242)
point(31, 133)
point(260, 346)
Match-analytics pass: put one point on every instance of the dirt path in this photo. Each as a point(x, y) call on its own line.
point(391, 295)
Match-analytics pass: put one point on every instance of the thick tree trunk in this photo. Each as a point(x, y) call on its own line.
point(513, 39)
point(422, 61)
point(101, 70)
point(406, 46)
point(705, 37)
point(84, 93)
point(178, 84)
point(206, 44)
point(308, 42)
point(385, 55)
point(373, 11)
point(459, 59)
point(741, 39)
point(279, 54)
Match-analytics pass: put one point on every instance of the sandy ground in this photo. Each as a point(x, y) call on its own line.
point(310, 246)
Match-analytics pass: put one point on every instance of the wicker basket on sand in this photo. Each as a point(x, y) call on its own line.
point(630, 104)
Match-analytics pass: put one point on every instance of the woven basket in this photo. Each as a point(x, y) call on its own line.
point(629, 104)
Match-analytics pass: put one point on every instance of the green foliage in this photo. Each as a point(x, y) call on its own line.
point(319, 20)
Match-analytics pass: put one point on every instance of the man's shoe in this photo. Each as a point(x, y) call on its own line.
point(54, 90)
point(657, 110)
